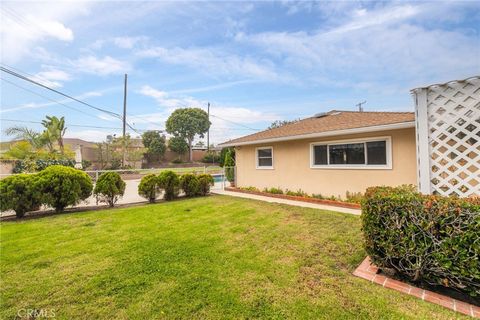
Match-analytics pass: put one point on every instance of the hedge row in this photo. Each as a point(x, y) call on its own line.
point(60, 186)
point(170, 183)
point(56, 186)
point(429, 239)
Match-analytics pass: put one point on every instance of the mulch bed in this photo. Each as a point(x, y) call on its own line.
point(366, 270)
point(297, 198)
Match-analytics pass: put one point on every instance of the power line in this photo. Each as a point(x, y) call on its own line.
point(70, 125)
point(47, 98)
point(238, 124)
point(13, 73)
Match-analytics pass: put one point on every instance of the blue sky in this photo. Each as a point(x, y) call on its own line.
point(255, 62)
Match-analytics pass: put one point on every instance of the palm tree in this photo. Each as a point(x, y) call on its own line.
point(34, 138)
point(55, 130)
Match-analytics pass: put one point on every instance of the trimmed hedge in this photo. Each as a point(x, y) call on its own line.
point(169, 182)
point(205, 181)
point(149, 188)
point(40, 164)
point(190, 184)
point(429, 239)
point(109, 188)
point(63, 186)
point(18, 193)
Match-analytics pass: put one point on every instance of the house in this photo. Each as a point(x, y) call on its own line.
point(330, 153)
point(437, 148)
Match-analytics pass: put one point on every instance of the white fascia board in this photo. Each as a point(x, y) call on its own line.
point(394, 126)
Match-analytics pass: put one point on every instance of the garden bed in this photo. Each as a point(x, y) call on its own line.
point(298, 198)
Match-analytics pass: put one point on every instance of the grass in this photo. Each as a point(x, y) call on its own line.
point(217, 257)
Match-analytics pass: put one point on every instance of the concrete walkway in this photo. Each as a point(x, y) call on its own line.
point(289, 202)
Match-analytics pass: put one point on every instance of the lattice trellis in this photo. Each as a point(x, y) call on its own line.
point(448, 137)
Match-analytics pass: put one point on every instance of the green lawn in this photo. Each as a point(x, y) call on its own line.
point(214, 257)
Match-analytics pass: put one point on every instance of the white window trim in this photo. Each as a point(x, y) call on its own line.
point(388, 146)
point(257, 166)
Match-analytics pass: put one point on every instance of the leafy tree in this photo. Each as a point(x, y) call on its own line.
point(187, 123)
point(178, 145)
point(109, 188)
point(155, 143)
point(281, 123)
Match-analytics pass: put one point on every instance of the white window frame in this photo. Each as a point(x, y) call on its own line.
point(257, 158)
point(388, 147)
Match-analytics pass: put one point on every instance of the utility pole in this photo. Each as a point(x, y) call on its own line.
point(359, 105)
point(124, 121)
point(208, 132)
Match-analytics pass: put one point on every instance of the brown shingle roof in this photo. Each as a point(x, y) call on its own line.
point(331, 121)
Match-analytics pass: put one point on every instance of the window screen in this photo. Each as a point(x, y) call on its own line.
point(264, 157)
point(377, 152)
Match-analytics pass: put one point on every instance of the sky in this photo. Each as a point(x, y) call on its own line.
point(255, 62)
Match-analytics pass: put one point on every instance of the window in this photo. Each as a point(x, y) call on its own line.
point(354, 154)
point(264, 158)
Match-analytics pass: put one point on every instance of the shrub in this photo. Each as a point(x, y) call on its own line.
point(19, 193)
point(298, 193)
point(32, 165)
point(190, 184)
point(169, 182)
point(211, 157)
point(149, 188)
point(273, 190)
point(229, 165)
point(250, 188)
point(177, 161)
point(422, 238)
point(109, 188)
point(353, 197)
point(205, 182)
point(63, 186)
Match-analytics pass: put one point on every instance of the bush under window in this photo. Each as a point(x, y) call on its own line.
point(420, 238)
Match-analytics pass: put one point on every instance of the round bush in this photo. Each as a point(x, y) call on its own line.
point(205, 182)
point(169, 182)
point(19, 193)
point(190, 184)
point(422, 238)
point(63, 186)
point(109, 188)
point(149, 187)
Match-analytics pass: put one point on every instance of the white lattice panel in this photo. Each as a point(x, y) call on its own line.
point(449, 157)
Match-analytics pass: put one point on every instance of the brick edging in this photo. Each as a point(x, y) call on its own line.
point(297, 198)
point(366, 270)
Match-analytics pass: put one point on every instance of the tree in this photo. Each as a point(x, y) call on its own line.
point(223, 155)
point(281, 123)
point(178, 145)
point(187, 123)
point(34, 138)
point(54, 131)
point(229, 165)
point(155, 143)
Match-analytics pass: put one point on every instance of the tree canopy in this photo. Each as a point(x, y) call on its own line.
point(155, 143)
point(187, 123)
point(178, 145)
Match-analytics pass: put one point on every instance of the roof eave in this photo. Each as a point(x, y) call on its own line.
point(393, 126)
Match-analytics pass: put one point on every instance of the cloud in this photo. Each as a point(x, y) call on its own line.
point(53, 77)
point(24, 25)
point(214, 62)
point(101, 66)
point(128, 42)
point(375, 49)
point(227, 121)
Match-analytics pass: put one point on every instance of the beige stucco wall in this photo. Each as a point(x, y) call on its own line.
point(292, 167)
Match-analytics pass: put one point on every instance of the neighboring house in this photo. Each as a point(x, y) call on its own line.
point(330, 153)
point(436, 148)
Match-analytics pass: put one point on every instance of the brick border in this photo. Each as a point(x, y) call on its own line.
point(366, 270)
point(297, 198)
